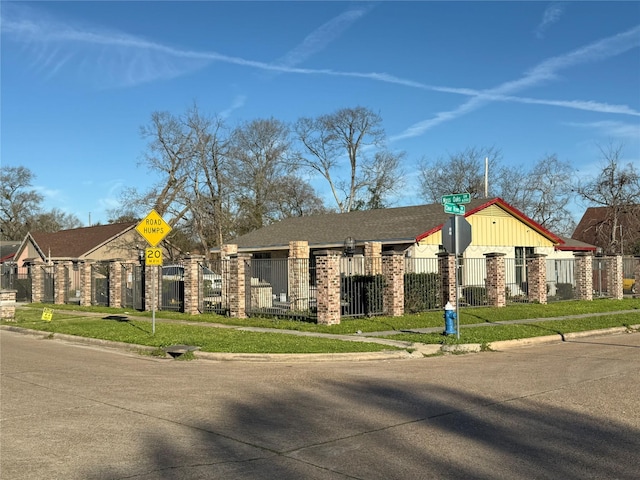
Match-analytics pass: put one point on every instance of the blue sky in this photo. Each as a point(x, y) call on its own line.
point(79, 79)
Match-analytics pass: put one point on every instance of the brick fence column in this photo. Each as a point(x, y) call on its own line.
point(193, 283)
point(537, 278)
point(583, 275)
point(37, 281)
point(372, 258)
point(239, 276)
point(152, 300)
point(393, 273)
point(8, 305)
point(496, 282)
point(298, 266)
point(86, 285)
point(60, 281)
point(447, 271)
point(328, 285)
point(614, 277)
point(115, 283)
point(226, 251)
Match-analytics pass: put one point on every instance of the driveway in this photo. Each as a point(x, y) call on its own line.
point(567, 410)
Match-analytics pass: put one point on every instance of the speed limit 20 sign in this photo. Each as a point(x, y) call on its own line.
point(153, 256)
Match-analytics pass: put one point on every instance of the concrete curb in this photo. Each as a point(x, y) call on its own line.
point(415, 350)
point(304, 357)
point(524, 342)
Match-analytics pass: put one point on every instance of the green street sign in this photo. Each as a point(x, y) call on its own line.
point(454, 208)
point(456, 198)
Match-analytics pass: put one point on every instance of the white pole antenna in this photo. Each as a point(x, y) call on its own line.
point(486, 177)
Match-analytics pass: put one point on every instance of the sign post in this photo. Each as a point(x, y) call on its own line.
point(153, 229)
point(456, 237)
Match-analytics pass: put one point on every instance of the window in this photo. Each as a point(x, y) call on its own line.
point(522, 253)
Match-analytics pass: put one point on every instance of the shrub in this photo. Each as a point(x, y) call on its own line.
point(475, 295)
point(362, 294)
point(564, 291)
point(421, 292)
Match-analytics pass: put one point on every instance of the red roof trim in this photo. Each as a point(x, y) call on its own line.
point(429, 233)
point(510, 209)
point(7, 257)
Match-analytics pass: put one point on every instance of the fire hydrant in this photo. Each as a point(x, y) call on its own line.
point(449, 319)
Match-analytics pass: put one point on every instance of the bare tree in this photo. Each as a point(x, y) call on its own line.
point(19, 202)
point(260, 155)
point(617, 189)
point(349, 133)
point(54, 221)
point(462, 172)
point(381, 179)
point(20, 207)
point(296, 198)
point(208, 179)
point(170, 153)
point(542, 193)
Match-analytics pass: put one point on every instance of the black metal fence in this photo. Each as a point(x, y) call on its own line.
point(213, 291)
point(280, 287)
point(132, 281)
point(73, 289)
point(561, 283)
point(421, 285)
point(361, 287)
point(100, 284)
point(18, 279)
point(48, 283)
point(287, 287)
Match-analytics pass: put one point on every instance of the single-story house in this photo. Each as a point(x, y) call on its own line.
point(98, 242)
point(416, 231)
point(496, 227)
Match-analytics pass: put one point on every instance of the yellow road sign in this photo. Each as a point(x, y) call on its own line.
point(153, 228)
point(153, 256)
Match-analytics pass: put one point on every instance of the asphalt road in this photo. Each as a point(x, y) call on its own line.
point(562, 411)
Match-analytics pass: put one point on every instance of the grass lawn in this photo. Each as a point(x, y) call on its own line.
point(208, 338)
point(185, 329)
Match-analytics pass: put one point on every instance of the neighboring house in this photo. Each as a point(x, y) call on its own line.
point(8, 249)
point(496, 226)
point(600, 226)
point(99, 242)
point(570, 245)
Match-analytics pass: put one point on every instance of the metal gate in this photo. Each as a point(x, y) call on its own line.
point(361, 287)
point(132, 280)
point(73, 290)
point(18, 279)
point(602, 285)
point(100, 284)
point(213, 288)
point(48, 284)
point(280, 287)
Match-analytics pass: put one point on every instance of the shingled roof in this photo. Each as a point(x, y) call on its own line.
point(77, 242)
point(390, 226)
